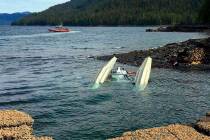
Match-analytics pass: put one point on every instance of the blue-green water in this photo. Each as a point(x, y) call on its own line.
point(49, 76)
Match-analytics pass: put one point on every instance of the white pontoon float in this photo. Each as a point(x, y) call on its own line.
point(141, 78)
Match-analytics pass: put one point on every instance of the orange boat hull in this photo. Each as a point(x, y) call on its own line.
point(59, 30)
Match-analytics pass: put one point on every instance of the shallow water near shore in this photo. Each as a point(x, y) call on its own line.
point(49, 76)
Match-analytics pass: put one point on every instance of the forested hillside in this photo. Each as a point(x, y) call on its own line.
point(9, 18)
point(204, 14)
point(117, 12)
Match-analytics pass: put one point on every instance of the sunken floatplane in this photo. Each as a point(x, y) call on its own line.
point(139, 79)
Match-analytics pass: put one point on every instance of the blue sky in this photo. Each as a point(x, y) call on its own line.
point(11, 6)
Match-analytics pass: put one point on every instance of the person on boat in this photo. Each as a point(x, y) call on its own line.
point(120, 74)
point(121, 71)
point(124, 72)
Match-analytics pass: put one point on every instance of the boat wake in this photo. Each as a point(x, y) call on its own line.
point(37, 35)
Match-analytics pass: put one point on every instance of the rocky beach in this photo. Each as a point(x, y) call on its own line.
point(16, 125)
point(200, 130)
point(181, 28)
point(193, 54)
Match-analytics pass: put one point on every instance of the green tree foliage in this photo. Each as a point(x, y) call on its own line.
point(116, 12)
point(204, 15)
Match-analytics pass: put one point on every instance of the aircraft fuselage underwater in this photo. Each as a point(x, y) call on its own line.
point(141, 76)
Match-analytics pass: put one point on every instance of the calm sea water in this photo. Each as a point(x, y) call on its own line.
point(49, 76)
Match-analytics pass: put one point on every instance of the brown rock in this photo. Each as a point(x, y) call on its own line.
point(181, 28)
point(208, 114)
point(23, 132)
point(171, 132)
point(203, 125)
point(16, 125)
point(193, 54)
point(9, 118)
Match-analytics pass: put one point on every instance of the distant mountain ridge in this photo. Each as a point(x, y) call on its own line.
point(117, 12)
point(6, 19)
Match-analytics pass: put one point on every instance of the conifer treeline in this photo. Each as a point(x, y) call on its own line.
point(117, 12)
point(204, 14)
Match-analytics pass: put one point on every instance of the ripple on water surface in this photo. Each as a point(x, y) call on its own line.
point(48, 76)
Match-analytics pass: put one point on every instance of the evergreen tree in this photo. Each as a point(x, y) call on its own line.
point(204, 15)
point(117, 12)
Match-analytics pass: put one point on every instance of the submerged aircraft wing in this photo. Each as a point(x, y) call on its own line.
point(105, 71)
point(143, 74)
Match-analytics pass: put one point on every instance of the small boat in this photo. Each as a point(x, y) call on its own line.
point(59, 29)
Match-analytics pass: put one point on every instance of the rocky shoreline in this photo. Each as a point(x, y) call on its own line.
point(181, 28)
point(16, 125)
point(198, 131)
point(193, 54)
